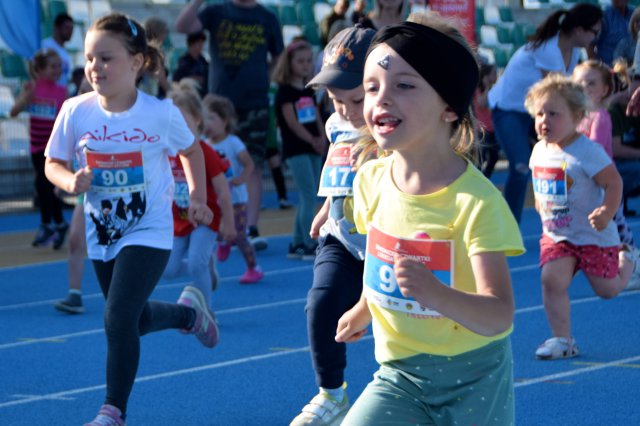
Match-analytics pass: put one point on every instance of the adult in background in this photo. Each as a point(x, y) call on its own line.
point(385, 12)
point(62, 32)
point(192, 64)
point(615, 27)
point(626, 47)
point(242, 35)
point(338, 13)
point(554, 47)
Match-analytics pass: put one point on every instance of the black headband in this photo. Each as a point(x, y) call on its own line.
point(448, 66)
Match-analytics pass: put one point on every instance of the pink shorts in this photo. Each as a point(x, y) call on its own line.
point(593, 260)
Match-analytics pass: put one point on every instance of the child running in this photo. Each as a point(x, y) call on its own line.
point(42, 98)
point(338, 268)
point(577, 192)
point(598, 79)
point(122, 139)
point(303, 143)
point(198, 242)
point(436, 283)
point(219, 121)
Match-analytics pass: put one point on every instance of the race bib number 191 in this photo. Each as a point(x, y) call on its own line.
point(379, 278)
point(116, 173)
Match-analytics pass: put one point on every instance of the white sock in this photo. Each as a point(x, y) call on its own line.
point(337, 394)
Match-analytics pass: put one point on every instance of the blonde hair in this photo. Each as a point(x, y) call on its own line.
point(464, 138)
point(602, 68)
point(185, 96)
point(558, 84)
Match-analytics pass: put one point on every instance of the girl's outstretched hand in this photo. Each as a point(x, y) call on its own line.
point(199, 213)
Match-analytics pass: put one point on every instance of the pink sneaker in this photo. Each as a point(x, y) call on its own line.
point(205, 327)
point(223, 251)
point(108, 415)
point(252, 276)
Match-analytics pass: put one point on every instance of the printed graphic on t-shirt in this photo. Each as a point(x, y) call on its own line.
point(379, 278)
point(337, 176)
point(119, 184)
point(229, 169)
point(236, 43)
point(305, 110)
point(551, 186)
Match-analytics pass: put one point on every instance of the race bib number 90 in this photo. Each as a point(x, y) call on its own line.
point(116, 173)
point(379, 278)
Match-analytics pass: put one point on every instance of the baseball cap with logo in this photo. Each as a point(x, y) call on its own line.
point(343, 60)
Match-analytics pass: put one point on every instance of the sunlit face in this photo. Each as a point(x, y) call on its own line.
point(110, 68)
point(586, 36)
point(348, 104)
point(302, 63)
point(401, 109)
point(214, 127)
point(591, 80)
point(554, 120)
point(53, 70)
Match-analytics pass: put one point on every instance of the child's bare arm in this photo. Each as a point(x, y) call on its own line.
point(228, 227)
point(488, 312)
point(353, 323)
point(247, 164)
point(320, 219)
point(194, 170)
point(58, 173)
point(609, 179)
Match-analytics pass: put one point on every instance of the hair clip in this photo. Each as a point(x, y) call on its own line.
point(134, 29)
point(384, 62)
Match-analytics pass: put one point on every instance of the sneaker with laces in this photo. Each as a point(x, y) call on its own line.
point(43, 236)
point(108, 415)
point(204, 327)
point(252, 275)
point(322, 410)
point(634, 280)
point(71, 305)
point(223, 251)
point(256, 240)
point(556, 348)
point(59, 235)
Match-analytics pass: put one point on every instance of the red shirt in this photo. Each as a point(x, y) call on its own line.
point(214, 166)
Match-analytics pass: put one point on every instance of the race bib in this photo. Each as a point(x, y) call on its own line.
point(337, 177)
point(380, 282)
point(305, 110)
point(550, 184)
point(118, 173)
point(181, 189)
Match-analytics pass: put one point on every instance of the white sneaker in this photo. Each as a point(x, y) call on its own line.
point(556, 348)
point(322, 410)
point(634, 280)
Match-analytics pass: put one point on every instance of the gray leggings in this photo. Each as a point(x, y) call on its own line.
point(127, 283)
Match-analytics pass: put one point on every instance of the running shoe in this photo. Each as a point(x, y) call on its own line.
point(322, 410)
point(204, 327)
point(71, 305)
point(556, 348)
point(108, 415)
point(59, 234)
point(252, 275)
point(222, 251)
point(43, 236)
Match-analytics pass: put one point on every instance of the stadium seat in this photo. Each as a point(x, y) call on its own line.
point(287, 15)
point(320, 10)
point(14, 138)
point(55, 7)
point(289, 32)
point(13, 66)
point(6, 101)
point(79, 10)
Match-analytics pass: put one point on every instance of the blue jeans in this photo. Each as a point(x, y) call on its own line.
point(512, 131)
point(630, 172)
point(198, 247)
point(337, 286)
point(306, 173)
